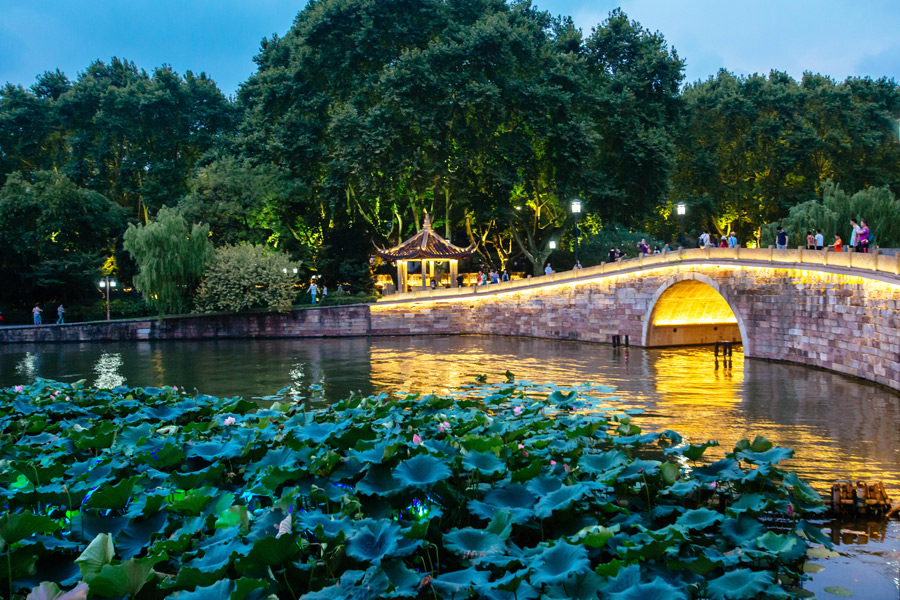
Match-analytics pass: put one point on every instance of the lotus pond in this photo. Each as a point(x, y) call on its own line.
point(512, 490)
point(838, 426)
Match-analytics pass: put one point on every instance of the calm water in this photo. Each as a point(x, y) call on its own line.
point(839, 427)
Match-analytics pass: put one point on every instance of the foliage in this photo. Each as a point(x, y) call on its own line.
point(755, 146)
point(492, 491)
point(248, 276)
point(54, 237)
point(171, 258)
point(832, 213)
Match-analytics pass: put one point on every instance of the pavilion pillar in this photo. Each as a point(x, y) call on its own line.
point(424, 274)
point(402, 271)
point(453, 272)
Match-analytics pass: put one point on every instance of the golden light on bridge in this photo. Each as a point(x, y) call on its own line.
point(692, 302)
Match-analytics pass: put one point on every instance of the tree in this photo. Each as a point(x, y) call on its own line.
point(248, 276)
point(54, 236)
point(171, 259)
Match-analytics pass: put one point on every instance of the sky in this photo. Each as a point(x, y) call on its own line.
point(839, 38)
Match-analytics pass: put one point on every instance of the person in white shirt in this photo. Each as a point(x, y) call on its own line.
point(548, 270)
point(704, 239)
point(820, 239)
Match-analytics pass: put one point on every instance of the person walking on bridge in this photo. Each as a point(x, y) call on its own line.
point(781, 238)
point(862, 239)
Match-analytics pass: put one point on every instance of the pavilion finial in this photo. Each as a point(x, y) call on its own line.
point(427, 223)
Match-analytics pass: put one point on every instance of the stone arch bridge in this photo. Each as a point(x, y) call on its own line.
point(837, 311)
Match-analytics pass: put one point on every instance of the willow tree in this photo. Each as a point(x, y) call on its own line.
point(171, 259)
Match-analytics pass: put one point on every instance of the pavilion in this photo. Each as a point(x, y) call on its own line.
point(428, 248)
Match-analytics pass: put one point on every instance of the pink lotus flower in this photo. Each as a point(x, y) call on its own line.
point(444, 426)
point(67, 398)
point(566, 467)
point(229, 421)
point(552, 463)
point(416, 439)
point(525, 454)
point(517, 411)
point(521, 446)
point(18, 388)
point(790, 510)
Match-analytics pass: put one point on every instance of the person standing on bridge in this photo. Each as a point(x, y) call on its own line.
point(732, 240)
point(781, 238)
point(643, 247)
point(854, 235)
point(820, 239)
point(548, 270)
point(838, 244)
point(862, 239)
point(704, 239)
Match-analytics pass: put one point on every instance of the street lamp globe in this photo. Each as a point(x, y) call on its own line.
point(682, 208)
point(576, 206)
point(552, 245)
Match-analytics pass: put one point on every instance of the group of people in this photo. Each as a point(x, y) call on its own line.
point(710, 241)
point(314, 290)
point(859, 238)
point(488, 276)
point(37, 310)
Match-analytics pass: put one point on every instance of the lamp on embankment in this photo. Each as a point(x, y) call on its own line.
point(107, 283)
point(576, 210)
point(681, 208)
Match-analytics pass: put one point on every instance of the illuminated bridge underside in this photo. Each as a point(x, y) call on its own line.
point(691, 312)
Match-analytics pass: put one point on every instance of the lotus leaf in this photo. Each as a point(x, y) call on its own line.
point(656, 589)
point(485, 463)
point(726, 469)
point(776, 543)
point(373, 541)
point(602, 461)
point(459, 584)
point(514, 497)
point(217, 591)
point(51, 591)
point(555, 564)
point(836, 590)
point(125, 579)
point(18, 526)
point(682, 489)
point(741, 530)
point(585, 586)
point(561, 499)
point(421, 471)
point(740, 584)
point(473, 543)
point(98, 554)
point(698, 519)
point(638, 470)
point(695, 451)
point(771, 456)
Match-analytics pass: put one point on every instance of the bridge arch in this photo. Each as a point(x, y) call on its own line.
point(691, 308)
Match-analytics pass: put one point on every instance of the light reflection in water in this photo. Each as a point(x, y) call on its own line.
point(26, 368)
point(107, 370)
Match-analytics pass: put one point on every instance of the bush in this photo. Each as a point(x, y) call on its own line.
point(248, 276)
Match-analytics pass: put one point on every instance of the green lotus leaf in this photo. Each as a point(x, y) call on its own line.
point(112, 496)
point(379, 481)
point(373, 541)
point(267, 552)
point(18, 526)
point(421, 471)
point(771, 456)
point(473, 543)
point(332, 525)
point(501, 524)
point(836, 590)
point(669, 472)
point(51, 591)
point(726, 469)
point(698, 519)
point(215, 451)
point(594, 536)
point(585, 586)
point(220, 550)
point(561, 499)
point(125, 579)
point(638, 470)
point(317, 433)
point(695, 451)
point(751, 503)
point(485, 463)
point(776, 543)
point(138, 534)
point(802, 490)
point(402, 577)
point(559, 397)
point(813, 533)
point(98, 554)
point(514, 498)
point(602, 461)
point(682, 489)
point(459, 584)
point(221, 589)
point(523, 592)
point(557, 563)
point(740, 584)
point(656, 589)
point(543, 485)
point(741, 530)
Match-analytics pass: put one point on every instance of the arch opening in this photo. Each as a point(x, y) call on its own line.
point(689, 313)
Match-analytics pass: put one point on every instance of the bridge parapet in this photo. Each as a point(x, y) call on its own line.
point(881, 267)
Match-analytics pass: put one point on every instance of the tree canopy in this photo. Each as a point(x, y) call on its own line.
point(490, 115)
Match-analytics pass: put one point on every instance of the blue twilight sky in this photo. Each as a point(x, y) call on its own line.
point(839, 38)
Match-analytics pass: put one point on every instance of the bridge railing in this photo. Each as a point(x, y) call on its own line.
point(884, 266)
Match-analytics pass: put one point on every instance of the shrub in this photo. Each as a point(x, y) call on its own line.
point(248, 276)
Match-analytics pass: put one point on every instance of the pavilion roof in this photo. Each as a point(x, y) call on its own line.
point(426, 244)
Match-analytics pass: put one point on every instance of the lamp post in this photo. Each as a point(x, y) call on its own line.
point(107, 283)
point(681, 208)
point(552, 244)
point(576, 210)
